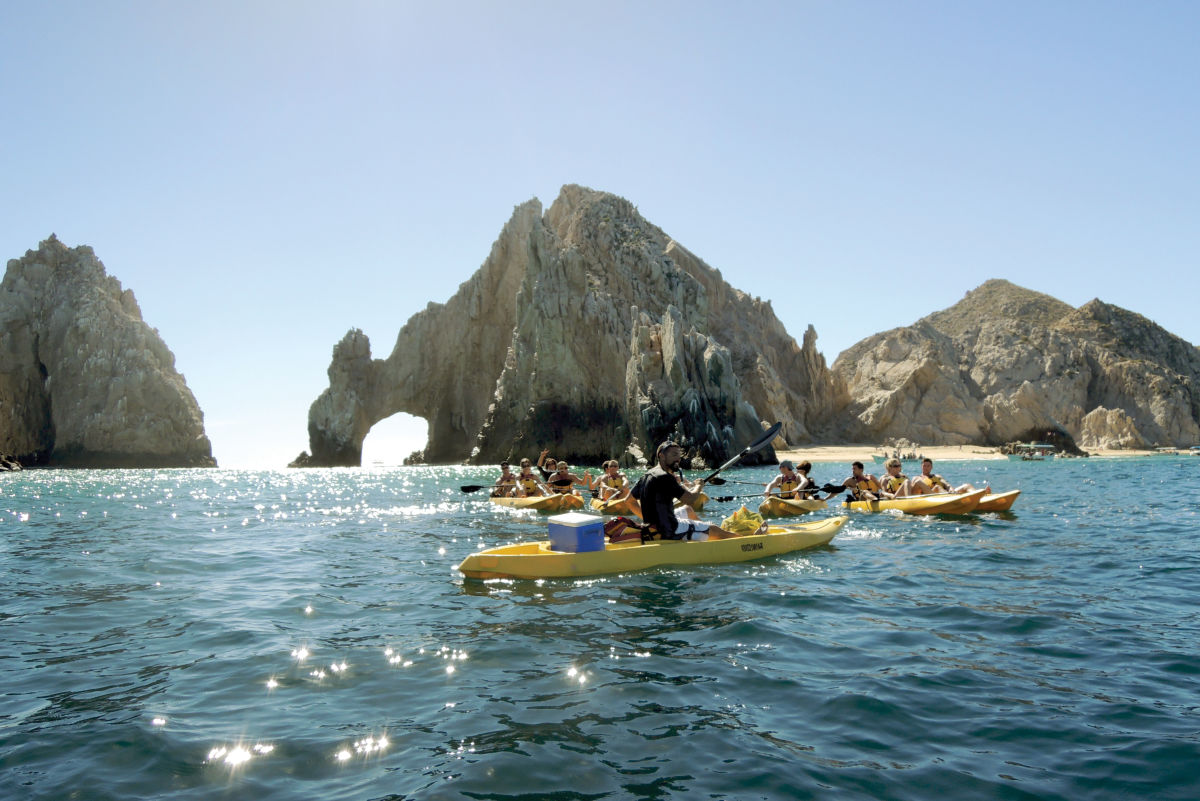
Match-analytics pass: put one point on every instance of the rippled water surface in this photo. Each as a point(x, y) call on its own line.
point(304, 635)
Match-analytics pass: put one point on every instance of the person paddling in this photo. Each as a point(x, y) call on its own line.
point(863, 486)
point(506, 485)
point(930, 482)
point(661, 486)
point(895, 484)
point(529, 485)
point(612, 485)
point(792, 485)
point(563, 480)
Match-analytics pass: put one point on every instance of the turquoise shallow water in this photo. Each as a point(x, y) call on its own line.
point(304, 635)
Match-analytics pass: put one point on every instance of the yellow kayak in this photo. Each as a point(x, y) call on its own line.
point(786, 507)
point(621, 506)
point(936, 504)
point(543, 503)
point(534, 560)
point(631, 508)
point(999, 502)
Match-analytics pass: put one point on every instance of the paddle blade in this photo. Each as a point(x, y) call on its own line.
point(473, 487)
point(763, 440)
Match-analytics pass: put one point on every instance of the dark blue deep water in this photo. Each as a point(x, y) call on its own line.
point(191, 634)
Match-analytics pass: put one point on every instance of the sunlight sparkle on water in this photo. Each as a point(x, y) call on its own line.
point(363, 747)
point(238, 754)
point(368, 745)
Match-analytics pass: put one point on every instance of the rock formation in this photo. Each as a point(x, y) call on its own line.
point(84, 382)
point(1006, 361)
point(588, 331)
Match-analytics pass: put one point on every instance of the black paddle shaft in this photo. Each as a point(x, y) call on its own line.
point(753, 447)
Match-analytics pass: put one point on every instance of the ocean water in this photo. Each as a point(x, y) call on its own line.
point(200, 634)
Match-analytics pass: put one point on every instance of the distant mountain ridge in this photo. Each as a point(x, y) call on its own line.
point(1007, 363)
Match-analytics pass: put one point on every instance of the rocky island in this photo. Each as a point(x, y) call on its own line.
point(84, 381)
point(589, 331)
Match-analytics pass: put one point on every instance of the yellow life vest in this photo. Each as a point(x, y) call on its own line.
point(787, 487)
point(893, 483)
point(616, 482)
point(529, 483)
point(936, 481)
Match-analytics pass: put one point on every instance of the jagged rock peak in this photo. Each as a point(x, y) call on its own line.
point(533, 349)
point(84, 382)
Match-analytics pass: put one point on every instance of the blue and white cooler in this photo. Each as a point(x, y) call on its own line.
point(575, 532)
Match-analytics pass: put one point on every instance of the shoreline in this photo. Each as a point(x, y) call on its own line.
point(938, 453)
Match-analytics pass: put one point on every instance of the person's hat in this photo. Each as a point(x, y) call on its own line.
point(669, 443)
point(786, 464)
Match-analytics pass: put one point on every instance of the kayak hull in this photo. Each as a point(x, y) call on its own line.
point(937, 504)
point(787, 507)
point(622, 506)
point(999, 502)
point(536, 560)
point(543, 503)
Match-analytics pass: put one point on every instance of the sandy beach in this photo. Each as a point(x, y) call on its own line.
point(938, 453)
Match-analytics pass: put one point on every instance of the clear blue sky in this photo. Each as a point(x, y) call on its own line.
point(267, 175)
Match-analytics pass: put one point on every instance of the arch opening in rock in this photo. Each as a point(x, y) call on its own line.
point(394, 440)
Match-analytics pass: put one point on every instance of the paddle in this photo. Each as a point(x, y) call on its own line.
point(477, 487)
point(727, 498)
point(563, 482)
point(753, 447)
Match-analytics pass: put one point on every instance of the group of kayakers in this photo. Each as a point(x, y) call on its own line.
point(894, 484)
point(556, 477)
point(663, 495)
point(794, 483)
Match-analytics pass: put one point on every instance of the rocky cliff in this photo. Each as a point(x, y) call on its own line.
point(84, 382)
point(589, 331)
point(1006, 363)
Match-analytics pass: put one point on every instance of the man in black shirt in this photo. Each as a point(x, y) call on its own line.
point(661, 487)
